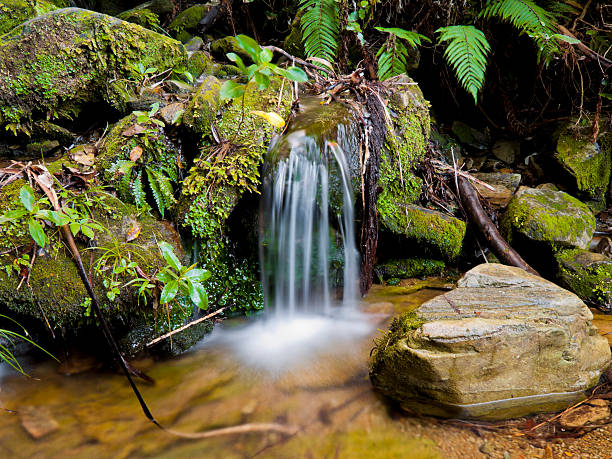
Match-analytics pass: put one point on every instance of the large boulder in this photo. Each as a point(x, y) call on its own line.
point(589, 163)
point(587, 274)
point(55, 64)
point(547, 218)
point(504, 343)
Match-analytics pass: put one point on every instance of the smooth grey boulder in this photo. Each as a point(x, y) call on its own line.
point(547, 218)
point(503, 344)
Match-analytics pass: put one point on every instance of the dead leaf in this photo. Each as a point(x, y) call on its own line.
point(133, 232)
point(84, 154)
point(134, 129)
point(46, 179)
point(135, 153)
point(37, 421)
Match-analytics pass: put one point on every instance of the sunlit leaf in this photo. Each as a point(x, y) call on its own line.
point(231, 90)
point(37, 232)
point(169, 292)
point(168, 253)
point(273, 118)
point(26, 196)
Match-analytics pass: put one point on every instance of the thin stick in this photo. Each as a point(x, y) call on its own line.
point(441, 165)
point(185, 327)
point(298, 60)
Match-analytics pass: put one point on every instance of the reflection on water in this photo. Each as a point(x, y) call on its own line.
point(323, 389)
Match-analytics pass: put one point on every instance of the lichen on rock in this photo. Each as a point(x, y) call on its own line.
point(16, 12)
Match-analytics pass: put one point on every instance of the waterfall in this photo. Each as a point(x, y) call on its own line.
point(308, 207)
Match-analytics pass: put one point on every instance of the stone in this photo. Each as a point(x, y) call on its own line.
point(37, 421)
point(16, 12)
point(588, 163)
point(219, 49)
point(293, 42)
point(592, 412)
point(171, 113)
point(203, 107)
point(408, 267)
point(195, 44)
point(506, 150)
point(186, 22)
point(435, 233)
point(587, 274)
point(504, 343)
point(504, 184)
point(467, 135)
point(200, 62)
point(550, 218)
point(55, 64)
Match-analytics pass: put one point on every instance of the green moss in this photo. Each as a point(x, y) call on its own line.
point(588, 163)
point(70, 57)
point(186, 23)
point(219, 48)
point(200, 62)
point(409, 267)
point(202, 109)
point(551, 217)
point(587, 274)
point(141, 16)
point(16, 12)
point(293, 43)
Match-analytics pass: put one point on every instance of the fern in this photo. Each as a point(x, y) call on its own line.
point(531, 19)
point(392, 55)
point(138, 191)
point(157, 194)
point(161, 188)
point(320, 28)
point(466, 53)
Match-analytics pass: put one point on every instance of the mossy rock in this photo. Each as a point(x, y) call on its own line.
point(55, 64)
point(201, 111)
point(293, 42)
point(55, 293)
point(219, 48)
point(16, 12)
point(408, 267)
point(200, 62)
point(588, 275)
point(186, 23)
point(403, 151)
point(433, 232)
point(142, 16)
point(552, 219)
point(588, 163)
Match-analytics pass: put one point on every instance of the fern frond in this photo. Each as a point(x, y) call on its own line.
point(137, 190)
point(391, 59)
point(157, 194)
point(466, 53)
point(320, 28)
point(123, 187)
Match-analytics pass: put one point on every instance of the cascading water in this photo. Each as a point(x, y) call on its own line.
point(308, 245)
point(298, 241)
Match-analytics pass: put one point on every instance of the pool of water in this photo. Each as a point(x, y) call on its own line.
point(317, 381)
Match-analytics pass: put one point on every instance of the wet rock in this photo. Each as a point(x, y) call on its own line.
point(172, 113)
point(469, 136)
point(408, 267)
point(293, 42)
point(587, 274)
point(195, 44)
point(60, 61)
point(485, 349)
point(16, 12)
point(200, 62)
point(591, 412)
point(203, 107)
point(433, 232)
point(506, 150)
point(37, 421)
point(504, 184)
point(219, 49)
point(550, 218)
point(547, 186)
point(588, 163)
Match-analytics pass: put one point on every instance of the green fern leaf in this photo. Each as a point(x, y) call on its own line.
point(157, 194)
point(137, 190)
point(466, 53)
point(165, 187)
point(320, 28)
point(393, 55)
point(123, 188)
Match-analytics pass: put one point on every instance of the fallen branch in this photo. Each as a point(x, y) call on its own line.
point(244, 428)
point(185, 327)
point(603, 61)
point(297, 60)
point(446, 167)
point(486, 228)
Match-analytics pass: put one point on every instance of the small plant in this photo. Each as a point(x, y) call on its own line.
point(260, 71)
point(177, 278)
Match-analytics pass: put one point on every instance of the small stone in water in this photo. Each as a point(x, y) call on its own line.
point(590, 412)
point(37, 421)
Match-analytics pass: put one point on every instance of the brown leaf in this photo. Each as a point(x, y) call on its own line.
point(134, 129)
point(135, 153)
point(133, 232)
point(83, 154)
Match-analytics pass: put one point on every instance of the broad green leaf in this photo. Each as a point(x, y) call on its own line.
point(199, 296)
point(59, 218)
point(266, 55)
point(238, 60)
point(168, 253)
point(250, 46)
point(273, 118)
point(263, 81)
point(297, 74)
point(231, 90)
point(196, 274)
point(87, 231)
point(169, 292)
point(12, 215)
point(164, 277)
point(37, 232)
point(26, 196)
point(74, 228)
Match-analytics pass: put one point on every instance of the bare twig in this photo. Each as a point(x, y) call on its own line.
point(302, 62)
point(185, 327)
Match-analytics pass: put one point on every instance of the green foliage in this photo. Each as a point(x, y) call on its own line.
point(320, 28)
point(260, 71)
point(187, 279)
point(146, 163)
point(9, 336)
point(466, 53)
point(393, 54)
point(531, 19)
